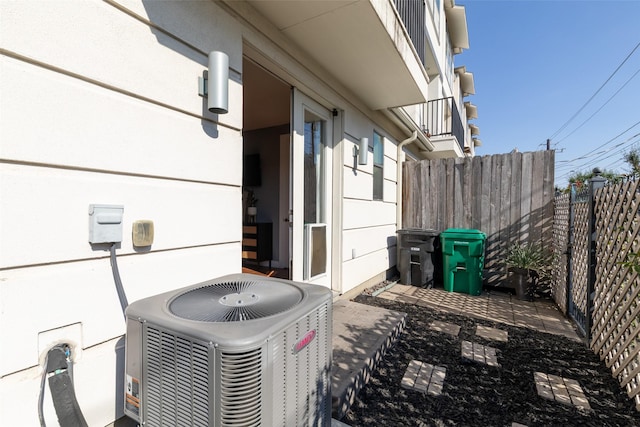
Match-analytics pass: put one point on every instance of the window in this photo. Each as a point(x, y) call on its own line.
point(378, 166)
point(449, 62)
point(313, 170)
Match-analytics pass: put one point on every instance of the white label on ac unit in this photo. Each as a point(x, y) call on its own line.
point(132, 401)
point(415, 249)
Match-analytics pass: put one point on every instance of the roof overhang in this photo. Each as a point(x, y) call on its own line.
point(475, 130)
point(472, 110)
point(362, 44)
point(457, 26)
point(477, 142)
point(467, 84)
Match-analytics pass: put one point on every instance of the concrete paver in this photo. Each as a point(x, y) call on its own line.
point(424, 377)
point(564, 390)
point(445, 327)
point(479, 353)
point(492, 333)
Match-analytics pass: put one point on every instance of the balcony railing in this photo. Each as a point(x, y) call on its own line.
point(412, 13)
point(443, 119)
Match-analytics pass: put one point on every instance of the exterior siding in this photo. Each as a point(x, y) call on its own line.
point(98, 106)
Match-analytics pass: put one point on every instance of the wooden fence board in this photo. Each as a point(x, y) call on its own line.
point(485, 194)
point(537, 173)
point(476, 191)
point(516, 194)
point(525, 197)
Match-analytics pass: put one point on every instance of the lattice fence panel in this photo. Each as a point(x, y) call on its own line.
point(580, 260)
point(560, 243)
point(616, 316)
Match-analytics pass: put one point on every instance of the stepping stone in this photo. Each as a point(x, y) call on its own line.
point(447, 328)
point(479, 353)
point(563, 390)
point(492, 333)
point(424, 377)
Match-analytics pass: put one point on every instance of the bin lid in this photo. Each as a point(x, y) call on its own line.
point(419, 231)
point(463, 233)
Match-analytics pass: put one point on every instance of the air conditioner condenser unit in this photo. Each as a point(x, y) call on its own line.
point(241, 350)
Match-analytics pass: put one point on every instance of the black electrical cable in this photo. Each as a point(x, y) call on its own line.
point(58, 363)
point(116, 277)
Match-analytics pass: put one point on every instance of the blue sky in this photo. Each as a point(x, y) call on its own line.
point(537, 63)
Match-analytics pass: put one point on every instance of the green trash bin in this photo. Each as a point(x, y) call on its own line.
point(463, 260)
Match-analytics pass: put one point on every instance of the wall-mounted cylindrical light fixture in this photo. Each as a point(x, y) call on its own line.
point(363, 151)
point(215, 85)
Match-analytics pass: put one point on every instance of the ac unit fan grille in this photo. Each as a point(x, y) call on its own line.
point(177, 381)
point(236, 301)
point(241, 389)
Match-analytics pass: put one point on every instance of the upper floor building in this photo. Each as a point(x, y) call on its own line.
point(446, 115)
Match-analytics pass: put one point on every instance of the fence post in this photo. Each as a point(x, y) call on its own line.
point(595, 183)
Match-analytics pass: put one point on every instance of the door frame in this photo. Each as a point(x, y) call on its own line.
point(302, 103)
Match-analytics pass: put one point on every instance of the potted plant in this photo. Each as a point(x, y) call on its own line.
point(527, 264)
point(252, 210)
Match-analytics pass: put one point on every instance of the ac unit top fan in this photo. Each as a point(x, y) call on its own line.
point(215, 307)
point(236, 300)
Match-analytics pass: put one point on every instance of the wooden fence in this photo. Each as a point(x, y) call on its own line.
point(616, 306)
point(508, 196)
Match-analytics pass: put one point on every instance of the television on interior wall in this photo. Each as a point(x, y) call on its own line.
point(251, 174)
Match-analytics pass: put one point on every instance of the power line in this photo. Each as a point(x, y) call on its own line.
point(624, 145)
point(601, 107)
point(594, 95)
point(587, 155)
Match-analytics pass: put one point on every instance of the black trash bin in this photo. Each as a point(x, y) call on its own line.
point(415, 256)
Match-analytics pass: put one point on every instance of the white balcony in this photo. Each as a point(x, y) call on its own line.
point(363, 44)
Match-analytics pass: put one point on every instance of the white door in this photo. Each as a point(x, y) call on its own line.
point(311, 155)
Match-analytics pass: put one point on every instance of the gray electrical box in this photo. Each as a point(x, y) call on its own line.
point(105, 223)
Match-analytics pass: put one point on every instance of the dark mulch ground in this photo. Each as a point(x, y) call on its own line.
point(478, 395)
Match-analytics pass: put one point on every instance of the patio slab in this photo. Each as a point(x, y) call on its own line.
point(541, 315)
